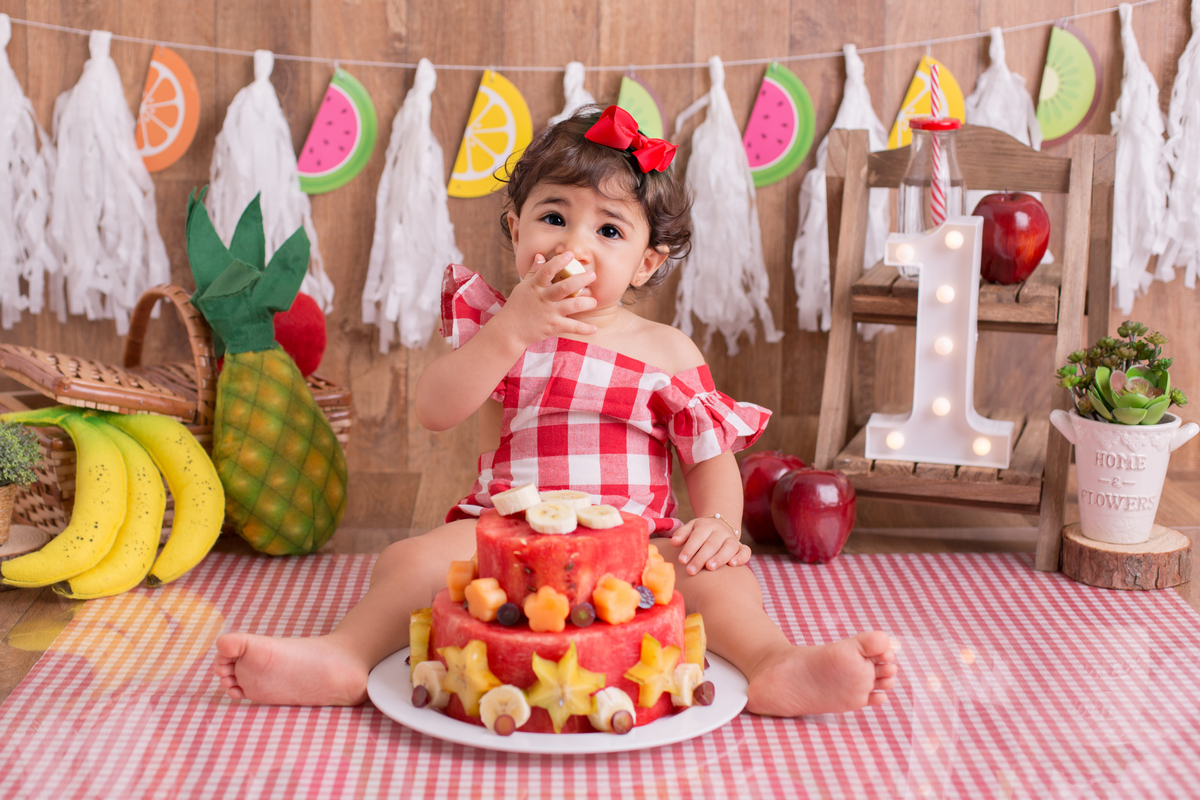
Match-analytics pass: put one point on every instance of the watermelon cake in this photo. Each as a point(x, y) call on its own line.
point(566, 621)
point(341, 139)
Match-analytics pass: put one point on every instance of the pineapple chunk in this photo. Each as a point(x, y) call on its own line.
point(467, 674)
point(547, 610)
point(484, 597)
point(419, 623)
point(458, 576)
point(564, 689)
point(616, 601)
point(659, 578)
point(695, 642)
point(655, 673)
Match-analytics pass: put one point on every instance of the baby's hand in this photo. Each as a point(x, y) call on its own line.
point(538, 308)
point(709, 543)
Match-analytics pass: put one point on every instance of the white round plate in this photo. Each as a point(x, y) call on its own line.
point(389, 688)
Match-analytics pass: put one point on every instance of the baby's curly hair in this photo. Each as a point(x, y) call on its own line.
point(562, 155)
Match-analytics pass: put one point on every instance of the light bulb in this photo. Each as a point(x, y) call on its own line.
point(905, 253)
point(941, 406)
point(954, 240)
point(945, 294)
point(895, 440)
point(982, 446)
point(944, 345)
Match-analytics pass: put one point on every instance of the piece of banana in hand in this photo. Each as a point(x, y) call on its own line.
point(504, 701)
point(599, 518)
point(576, 499)
point(606, 705)
point(554, 517)
point(432, 675)
point(516, 499)
point(573, 268)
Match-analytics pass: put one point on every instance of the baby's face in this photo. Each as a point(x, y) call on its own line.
point(608, 235)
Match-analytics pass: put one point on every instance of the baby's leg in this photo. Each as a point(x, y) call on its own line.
point(785, 680)
point(331, 670)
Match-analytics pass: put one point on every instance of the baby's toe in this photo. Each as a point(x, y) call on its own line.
point(884, 684)
point(885, 670)
point(877, 698)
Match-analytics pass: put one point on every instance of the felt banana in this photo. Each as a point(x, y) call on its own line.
point(136, 545)
point(606, 704)
point(193, 481)
point(516, 499)
point(554, 517)
point(506, 700)
point(99, 504)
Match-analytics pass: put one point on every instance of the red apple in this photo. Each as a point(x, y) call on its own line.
point(1016, 231)
point(760, 471)
point(814, 512)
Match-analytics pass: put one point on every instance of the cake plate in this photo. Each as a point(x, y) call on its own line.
point(390, 690)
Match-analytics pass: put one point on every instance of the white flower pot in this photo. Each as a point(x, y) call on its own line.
point(1120, 470)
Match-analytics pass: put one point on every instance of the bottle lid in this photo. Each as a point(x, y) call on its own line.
point(934, 124)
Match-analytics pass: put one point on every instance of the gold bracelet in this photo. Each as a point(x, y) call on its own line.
point(736, 533)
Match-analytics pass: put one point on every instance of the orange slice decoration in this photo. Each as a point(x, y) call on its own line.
point(170, 111)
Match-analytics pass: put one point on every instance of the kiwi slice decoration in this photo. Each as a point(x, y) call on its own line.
point(1071, 81)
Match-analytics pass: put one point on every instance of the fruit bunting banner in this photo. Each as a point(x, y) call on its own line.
point(498, 131)
point(342, 137)
point(169, 112)
point(724, 282)
point(1141, 179)
point(414, 237)
point(24, 194)
point(919, 102)
point(103, 216)
point(253, 155)
point(643, 105)
point(1070, 90)
point(573, 92)
point(1182, 247)
point(779, 133)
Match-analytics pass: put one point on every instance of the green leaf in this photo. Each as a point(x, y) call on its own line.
point(207, 254)
point(249, 243)
point(1101, 382)
point(1155, 411)
point(284, 274)
point(1129, 416)
point(1098, 403)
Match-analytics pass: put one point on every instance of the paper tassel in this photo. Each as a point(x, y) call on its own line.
point(576, 96)
point(24, 196)
point(810, 253)
point(414, 239)
point(103, 215)
point(1140, 184)
point(724, 282)
point(1001, 101)
point(1182, 233)
point(253, 154)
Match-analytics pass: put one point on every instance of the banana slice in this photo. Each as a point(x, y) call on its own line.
point(687, 678)
point(516, 499)
point(432, 675)
point(576, 499)
point(607, 703)
point(599, 518)
point(504, 700)
point(556, 517)
point(573, 268)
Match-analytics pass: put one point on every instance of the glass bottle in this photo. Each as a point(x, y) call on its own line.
point(914, 209)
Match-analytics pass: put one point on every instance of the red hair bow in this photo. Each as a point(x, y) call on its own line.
point(618, 129)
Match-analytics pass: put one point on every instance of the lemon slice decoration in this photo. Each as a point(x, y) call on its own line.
point(498, 131)
point(917, 101)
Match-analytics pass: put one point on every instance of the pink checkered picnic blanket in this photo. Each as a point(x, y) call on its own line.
point(1014, 683)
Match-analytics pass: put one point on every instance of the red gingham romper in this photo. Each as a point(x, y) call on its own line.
point(579, 416)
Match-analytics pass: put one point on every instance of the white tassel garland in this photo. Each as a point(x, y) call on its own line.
point(810, 252)
point(414, 238)
point(576, 96)
point(724, 282)
point(1140, 184)
point(103, 215)
point(1182, 233)
point(24, 196)
point(253, 154)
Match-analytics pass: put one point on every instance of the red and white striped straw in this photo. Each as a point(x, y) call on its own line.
point(937, 194)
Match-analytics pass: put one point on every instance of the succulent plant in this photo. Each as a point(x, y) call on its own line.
point(19, 454)
point(1124, 381)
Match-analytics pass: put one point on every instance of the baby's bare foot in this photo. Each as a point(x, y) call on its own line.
point(831, 678)
point(295, 672)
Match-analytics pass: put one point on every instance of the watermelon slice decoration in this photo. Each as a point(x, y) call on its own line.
point(643, 105)
point(341, 139)
point(780, 132)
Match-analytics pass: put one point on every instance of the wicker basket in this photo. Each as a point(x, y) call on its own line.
point(183, 390)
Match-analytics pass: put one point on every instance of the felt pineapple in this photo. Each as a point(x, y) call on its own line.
point(281, 465)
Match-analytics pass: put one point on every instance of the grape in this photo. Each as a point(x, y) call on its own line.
point(622, 722)
point(703, 694)
point(508, 614)
point(583, 614)
point(504, 725)
point(646, 599)
point(420, 696)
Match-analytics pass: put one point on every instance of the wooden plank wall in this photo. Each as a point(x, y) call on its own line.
point(402, 474)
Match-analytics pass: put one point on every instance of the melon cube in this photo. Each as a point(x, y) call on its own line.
point(458, 576)
point(547, 610)
point(616, 601)
point(659, 578)
point(484, 597)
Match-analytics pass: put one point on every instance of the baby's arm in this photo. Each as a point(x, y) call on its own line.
point(715, 487)
point(454, 386)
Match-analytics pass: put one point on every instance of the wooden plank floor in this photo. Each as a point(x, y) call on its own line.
point(1179, 508)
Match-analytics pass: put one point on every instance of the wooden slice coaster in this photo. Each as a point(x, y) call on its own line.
point(22, 539)
point(1162, 561)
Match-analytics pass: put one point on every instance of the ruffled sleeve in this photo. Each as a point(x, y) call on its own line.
point(703, 423)
point(467, 303)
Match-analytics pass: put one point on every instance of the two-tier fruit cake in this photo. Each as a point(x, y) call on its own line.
point(566, 620)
